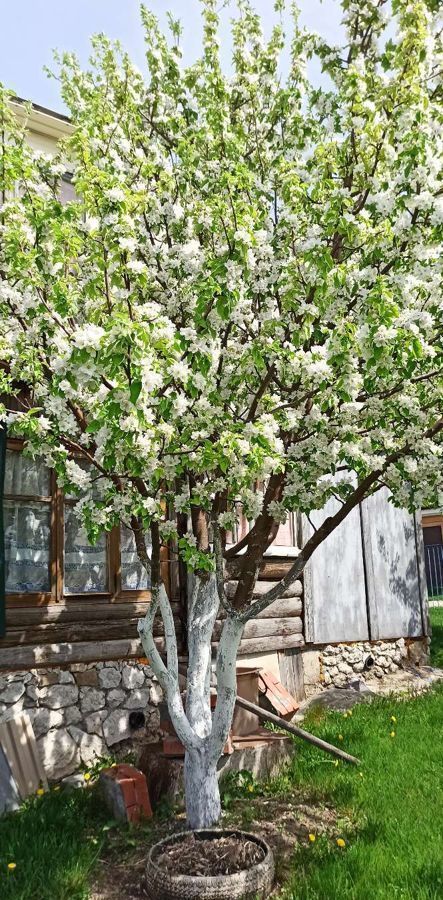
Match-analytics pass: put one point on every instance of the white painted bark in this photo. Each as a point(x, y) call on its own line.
point(202, 793)
point(202, 613)
point(203, 735)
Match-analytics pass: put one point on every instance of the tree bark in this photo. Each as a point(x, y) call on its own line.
point(203, 735)
point(202, 794)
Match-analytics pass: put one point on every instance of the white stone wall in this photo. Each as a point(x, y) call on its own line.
point(339, 662)
point(81, 713)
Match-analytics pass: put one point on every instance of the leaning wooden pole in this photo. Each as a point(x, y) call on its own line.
point(298, 732)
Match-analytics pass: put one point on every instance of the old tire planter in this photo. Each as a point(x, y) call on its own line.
point(249, 884)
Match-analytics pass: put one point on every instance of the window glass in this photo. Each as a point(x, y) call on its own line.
point(25, 476)
point(134, 576)
point(85, 565)
point(432, 534)
point(27, 546)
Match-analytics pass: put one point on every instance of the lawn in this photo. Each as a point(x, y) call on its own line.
point(388, 812)
point(394, 846)
point(436, 614)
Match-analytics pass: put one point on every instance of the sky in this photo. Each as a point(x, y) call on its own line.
point(31, 29)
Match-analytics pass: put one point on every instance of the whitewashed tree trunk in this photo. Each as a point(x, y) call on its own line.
point(202, 794)
point(203, 735)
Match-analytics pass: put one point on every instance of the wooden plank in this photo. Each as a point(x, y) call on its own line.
point(286, 606)
point(9, 795)
point(72, 611)
point(73, 632)
point(290, 663)
point(267, 627)
point(281, 609)
point(252, 646)
point(392, 569)
point(422, 583)
point(298, 732)
point(334, 584)
point(20, 748)
point(264, 627)
point(18, 658)
point(262, 587)
point(273, 568)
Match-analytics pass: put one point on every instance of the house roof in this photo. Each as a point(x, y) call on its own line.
point(41, 119)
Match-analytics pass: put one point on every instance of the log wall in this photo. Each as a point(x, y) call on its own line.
point(94, 629)
point(76, 631)
point(280, 626)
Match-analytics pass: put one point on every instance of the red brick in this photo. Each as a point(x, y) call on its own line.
point(127, 788)
point(133, 813)
point(130, 797)
point(143, 801)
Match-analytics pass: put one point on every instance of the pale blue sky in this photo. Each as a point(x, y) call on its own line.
point(31, 29)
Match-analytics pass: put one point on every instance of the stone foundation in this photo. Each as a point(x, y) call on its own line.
point(83, 712)
point(369, 660)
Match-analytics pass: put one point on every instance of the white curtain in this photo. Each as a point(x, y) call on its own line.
point(27, 545)
point(85, 565)
point(134, 576)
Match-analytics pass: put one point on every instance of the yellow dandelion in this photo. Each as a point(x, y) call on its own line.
point(341, 842)
point(340, 737)
point(393, 719)
point(87, 776)
point(251, 788)
point(392, 733)
point(40, 792)
point(311, 838)
point(12, 866)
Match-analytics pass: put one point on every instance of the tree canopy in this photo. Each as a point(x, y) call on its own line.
point(246, 289)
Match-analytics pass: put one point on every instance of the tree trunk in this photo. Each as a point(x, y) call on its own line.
point(203, 735)
point(202, 794)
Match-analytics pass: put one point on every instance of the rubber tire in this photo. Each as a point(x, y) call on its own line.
point(252, 883)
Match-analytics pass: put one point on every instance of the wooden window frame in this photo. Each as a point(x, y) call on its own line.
point(114, 594)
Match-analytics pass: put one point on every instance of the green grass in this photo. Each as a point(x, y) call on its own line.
point(54, 841)
point(436, 615)
point(394, 844)
point(390, 814)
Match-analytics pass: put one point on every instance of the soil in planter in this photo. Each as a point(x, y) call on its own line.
point(210, 856)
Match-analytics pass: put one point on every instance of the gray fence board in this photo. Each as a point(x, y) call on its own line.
point(393, 576)
point(334, 597)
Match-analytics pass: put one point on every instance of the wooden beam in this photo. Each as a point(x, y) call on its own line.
point(261, 628)
point(252, 646)
point(262, 587)
point(74, 611)
point(18, 658)
point(297, 732)
point(273, 568)
point(75, 632)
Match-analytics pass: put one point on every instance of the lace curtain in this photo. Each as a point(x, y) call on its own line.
point(134, 576)
point(27, 525)
point(27, 522)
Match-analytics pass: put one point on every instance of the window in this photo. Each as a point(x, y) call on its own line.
point(47, 552)
point(432, 534)
point(27, 518)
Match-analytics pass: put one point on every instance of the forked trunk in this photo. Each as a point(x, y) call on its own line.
point(202, 734)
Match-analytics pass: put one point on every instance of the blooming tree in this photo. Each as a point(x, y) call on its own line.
point(245, 291)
